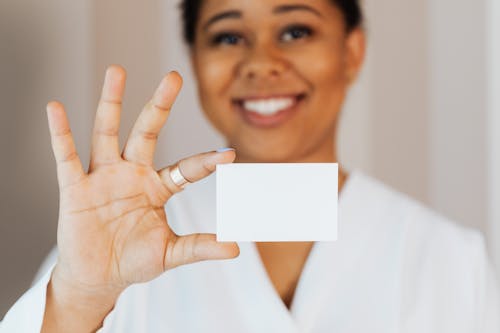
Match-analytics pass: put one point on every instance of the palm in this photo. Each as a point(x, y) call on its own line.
point(112, 218)
point(113, 230)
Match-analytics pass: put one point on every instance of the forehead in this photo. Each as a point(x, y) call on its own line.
point(262, 8)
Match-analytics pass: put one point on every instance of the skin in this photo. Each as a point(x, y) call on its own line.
point(125, 222)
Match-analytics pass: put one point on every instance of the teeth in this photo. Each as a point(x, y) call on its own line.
point(267, 107)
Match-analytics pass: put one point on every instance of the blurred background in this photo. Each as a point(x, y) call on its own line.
point(424, 116)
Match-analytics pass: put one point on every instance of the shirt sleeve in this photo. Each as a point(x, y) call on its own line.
point(488, 294)
point(27, 313)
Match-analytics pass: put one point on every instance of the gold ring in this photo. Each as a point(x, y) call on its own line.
point(177, 177)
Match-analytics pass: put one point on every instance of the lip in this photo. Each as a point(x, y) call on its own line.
point(261, 121)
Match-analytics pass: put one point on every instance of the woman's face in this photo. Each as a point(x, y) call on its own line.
point(273, 74)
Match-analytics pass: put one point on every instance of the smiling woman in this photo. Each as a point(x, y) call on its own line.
point(274, 87)
point(272, 77)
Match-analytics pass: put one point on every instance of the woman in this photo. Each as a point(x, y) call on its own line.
point(272, 76)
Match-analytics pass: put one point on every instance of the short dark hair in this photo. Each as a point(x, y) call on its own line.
point(190, 9)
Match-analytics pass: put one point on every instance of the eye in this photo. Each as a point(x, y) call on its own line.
point(226, 38)
point(295, 32)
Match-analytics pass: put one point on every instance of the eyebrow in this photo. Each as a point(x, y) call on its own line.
point(236, 14)
point(290, 8)
point(221, 16)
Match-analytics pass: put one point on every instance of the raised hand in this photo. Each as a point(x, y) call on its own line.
point(112, 229)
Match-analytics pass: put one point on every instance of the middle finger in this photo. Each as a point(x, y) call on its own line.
point(105, 146)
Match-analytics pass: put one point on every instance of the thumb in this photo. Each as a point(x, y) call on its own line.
point(192, 248)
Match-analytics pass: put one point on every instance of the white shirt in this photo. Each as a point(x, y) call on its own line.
point(396, 267)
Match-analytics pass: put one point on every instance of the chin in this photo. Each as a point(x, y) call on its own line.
point(257, 154)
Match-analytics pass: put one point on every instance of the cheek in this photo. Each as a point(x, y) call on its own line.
point(330, 85)
point(323, 66)
point(214, 75)
point(324, 70)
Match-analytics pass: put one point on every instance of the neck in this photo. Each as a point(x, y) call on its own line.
point(325, 153)
point(284, 261)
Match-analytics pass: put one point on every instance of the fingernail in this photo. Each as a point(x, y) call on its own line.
point(222, 150)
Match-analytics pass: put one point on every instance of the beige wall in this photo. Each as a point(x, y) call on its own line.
point(46, 53)
point(398, 95)
point(458, 111)
point(130, 34)
point(412, 120)
point(493, 120)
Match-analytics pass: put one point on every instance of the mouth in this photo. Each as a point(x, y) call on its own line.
point(271, 111)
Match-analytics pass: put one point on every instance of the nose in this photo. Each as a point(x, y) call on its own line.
point(262, 63)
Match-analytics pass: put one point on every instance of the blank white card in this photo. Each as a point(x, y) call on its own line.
point(277, 201)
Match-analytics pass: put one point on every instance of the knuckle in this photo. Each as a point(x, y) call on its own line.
point(161, 108)
point(113, 104)
point(63, 133)
point(106, 132)
point(148, 135)
point(169, 261)
point(68, 157)
point(208, 167)
point(195, 249)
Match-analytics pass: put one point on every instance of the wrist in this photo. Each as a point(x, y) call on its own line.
point(71, 292)
point(73, 307)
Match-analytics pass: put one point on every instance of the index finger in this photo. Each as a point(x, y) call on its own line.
point(197, 167)
point(141, 144)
